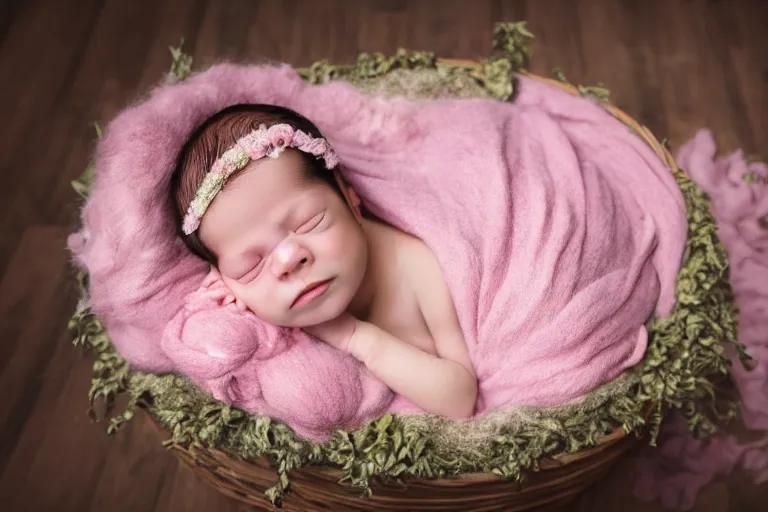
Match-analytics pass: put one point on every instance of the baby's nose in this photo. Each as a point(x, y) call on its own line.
point(288, 256)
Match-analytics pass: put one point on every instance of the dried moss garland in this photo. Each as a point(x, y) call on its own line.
point(684, 360)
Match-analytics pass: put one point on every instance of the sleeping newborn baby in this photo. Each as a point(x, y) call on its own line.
point(486, 254)
point(259, 196)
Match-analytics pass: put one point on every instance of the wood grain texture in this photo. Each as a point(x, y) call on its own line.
point(676, 66)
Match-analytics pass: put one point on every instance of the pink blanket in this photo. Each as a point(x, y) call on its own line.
point(560, 234)
point(683, 465)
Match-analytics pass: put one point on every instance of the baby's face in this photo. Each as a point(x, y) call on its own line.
point(275, 233)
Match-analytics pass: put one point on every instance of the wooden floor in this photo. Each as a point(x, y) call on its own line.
point(675, 65)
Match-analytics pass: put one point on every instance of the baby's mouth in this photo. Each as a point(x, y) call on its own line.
point(310, 293)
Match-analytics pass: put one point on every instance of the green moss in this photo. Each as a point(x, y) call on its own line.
point(684, 361)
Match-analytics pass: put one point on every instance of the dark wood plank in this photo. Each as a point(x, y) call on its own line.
point(749, 52)
point(42, 420)
point(9, 10)
point(611, 53)
point(676, 66)
point(60, 454)
point(136, 470)
point(31, 292)
point(182, 492)
point(38, 59)
point(124, 77)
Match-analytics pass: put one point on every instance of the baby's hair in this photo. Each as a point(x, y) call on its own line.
point(217, 134)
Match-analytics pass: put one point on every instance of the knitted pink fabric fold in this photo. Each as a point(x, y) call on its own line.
point(560, 234)
point(274, 371)
point(683, 466)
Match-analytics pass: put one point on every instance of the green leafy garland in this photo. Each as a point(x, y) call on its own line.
point(684, 362)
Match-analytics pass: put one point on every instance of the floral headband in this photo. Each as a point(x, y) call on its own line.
point(269, 142)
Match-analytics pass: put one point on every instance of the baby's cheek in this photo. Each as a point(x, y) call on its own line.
point(329, 247)
point(342, 242)
point(259, 300)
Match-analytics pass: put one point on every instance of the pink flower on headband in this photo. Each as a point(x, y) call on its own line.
point(257, 152)
point(280, 135)
point(255, 144)
point(300, 138)
point(315, 146)
point(219, 167)
point(331, 159)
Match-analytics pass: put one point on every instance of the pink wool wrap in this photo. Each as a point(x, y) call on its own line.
point(560, 234)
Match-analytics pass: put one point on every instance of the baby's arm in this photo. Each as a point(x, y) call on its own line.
point(436, 384)
point(444, 384)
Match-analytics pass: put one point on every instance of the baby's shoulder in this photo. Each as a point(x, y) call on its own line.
point(433, 298)
point(419, 265)
point(413, 264)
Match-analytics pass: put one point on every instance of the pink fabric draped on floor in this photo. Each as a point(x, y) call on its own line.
point(559, 231)
point(677, 471)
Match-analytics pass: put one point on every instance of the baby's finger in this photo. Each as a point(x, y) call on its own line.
point(212, 277)
point(214, 290)
point(241, 307)
point(218, 287)
point(209, 279)
point(214, 295)
point(214, 283)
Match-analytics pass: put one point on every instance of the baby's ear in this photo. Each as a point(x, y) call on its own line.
point(350, 196)
point(354, 202)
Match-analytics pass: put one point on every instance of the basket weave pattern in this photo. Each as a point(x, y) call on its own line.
point(558, 481)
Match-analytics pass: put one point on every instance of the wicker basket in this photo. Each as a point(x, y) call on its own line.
point(559, 480)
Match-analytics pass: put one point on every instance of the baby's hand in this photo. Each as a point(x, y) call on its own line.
point(213, 277)
point(336, 332)
point(215, 288)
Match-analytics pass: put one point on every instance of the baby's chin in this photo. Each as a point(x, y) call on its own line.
point(324, 313)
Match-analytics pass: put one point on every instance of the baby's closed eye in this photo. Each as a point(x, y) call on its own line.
point(252, 272)
point(311, 224)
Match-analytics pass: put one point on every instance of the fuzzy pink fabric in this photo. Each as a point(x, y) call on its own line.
point(559, 232)
point(274, 371)
point(683, 465)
